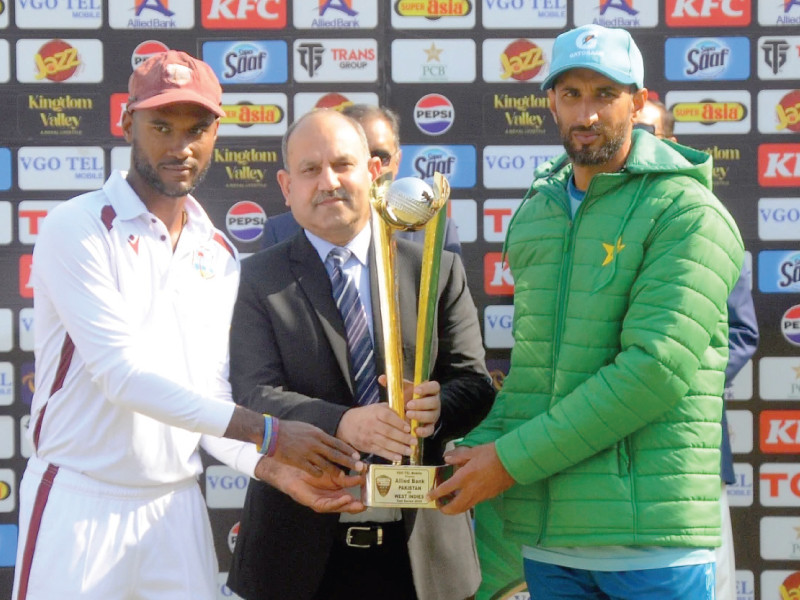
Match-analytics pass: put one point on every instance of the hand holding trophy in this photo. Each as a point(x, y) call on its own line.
point(406, 204)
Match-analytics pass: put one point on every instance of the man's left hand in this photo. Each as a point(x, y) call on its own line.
point(423, 405)
point(479, 476)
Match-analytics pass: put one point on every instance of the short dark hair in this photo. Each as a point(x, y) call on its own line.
point(667, 118)
point(364, 112)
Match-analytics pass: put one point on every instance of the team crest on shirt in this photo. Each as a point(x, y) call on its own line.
point(133, 241)
point(203, 262)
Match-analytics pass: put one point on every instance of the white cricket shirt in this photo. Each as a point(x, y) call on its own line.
point(131, 341)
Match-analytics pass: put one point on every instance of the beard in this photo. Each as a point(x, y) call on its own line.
point(584, 155)
point(150, 176)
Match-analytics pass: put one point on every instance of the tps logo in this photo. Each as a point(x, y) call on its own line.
point(497, 279)
point(243, 14)
point(336, 60)
point(145, 50)
point(780, 484)
point(31, 214)
point(779, 165)
point(790, 325)
point(245, 221)
point(496, 217)
point(521, 60)
point(708, 13)
point(25, 287)
point(780, 431)
point(780, 57)
point(434, 114)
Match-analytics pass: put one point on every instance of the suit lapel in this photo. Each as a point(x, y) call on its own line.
point(313, 279)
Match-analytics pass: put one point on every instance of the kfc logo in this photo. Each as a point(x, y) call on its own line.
point(780, 431)
point(779, 165)
point(708, 13)
point(244, 14)
point(497, 279)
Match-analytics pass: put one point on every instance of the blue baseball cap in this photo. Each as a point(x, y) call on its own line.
point(611, 52)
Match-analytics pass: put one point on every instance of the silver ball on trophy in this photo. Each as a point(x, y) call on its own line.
point(409, 202)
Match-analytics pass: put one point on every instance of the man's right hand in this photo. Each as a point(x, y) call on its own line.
point(307, 447)
point(376, 429)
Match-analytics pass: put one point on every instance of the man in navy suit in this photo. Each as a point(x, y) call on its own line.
point(382, 126)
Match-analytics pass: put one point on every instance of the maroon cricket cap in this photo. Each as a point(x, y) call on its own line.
point(173, 77)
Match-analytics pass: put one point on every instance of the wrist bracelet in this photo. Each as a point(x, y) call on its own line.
point(263, 448)
point(273, 442)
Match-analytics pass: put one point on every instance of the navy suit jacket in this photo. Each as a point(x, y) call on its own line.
point(283, 226)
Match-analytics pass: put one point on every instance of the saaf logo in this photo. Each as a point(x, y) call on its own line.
point(688, 59)
point(456, 162)
point(434, 114)
point(629, 14)
point(779, 57)
point(254, 61)
point(790, 325)
point(708, 13)
point(778, 271)
point(779, 111)
point(245, 221)
point(243, 14)
point(779, 165)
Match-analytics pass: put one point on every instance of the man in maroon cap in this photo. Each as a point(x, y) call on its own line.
point(134, 289)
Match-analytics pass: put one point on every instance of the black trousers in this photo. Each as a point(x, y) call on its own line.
point(380, 571)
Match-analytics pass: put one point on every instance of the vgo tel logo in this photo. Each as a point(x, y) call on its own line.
point(779, 165)
point(243, 14)
point(58, 14)
point(708, 13)
point(497, 215)
point(780, 431)
point(245, 221)
point(497, 279)
point(780, 484)
point(779, 218)
point(6, 384)
point(497, 322)
point(525, 14)
point(225, 488)
point(779, 111)
point(59, 61)
point(434, 114)
point(61, 168)
point(145, 50)
point(508, 167)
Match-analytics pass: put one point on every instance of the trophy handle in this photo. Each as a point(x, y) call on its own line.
point(428, 292)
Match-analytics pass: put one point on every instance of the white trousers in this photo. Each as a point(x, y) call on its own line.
point(726, 564)
point(95, 541)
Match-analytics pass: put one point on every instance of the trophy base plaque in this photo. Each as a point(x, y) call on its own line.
point(402, 486)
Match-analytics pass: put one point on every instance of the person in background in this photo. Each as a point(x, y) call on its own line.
point(742, 344)
point(604, 440)
point(382, 127)
point(306, 344)
point(134, 290)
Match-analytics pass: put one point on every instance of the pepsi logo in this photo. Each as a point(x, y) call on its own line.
point(145, 50)
point(790, 325)
point(434, 114)
point(245, 221)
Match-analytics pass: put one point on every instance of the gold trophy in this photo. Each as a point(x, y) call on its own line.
point(406, 204)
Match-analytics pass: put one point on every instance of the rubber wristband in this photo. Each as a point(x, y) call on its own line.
point(273, 443)
point(263, 448)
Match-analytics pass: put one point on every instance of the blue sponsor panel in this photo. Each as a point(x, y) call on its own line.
point(779, 271)
point(720, 58)
point(248, 62)
point(5, 169)
point(8, 544)
point(457, 163)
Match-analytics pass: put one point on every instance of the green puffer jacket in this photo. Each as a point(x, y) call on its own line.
point(609, 419)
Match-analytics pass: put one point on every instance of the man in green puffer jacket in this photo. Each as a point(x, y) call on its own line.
point(604, 440)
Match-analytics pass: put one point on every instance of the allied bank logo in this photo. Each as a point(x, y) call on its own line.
point(688, 59)
point(434, 114)
point(625, 6)
point(790, 325)
point(779, 12)
point(248, 62)
point(616, 13)
point(778, 272)
point(456, 162)
point(245, 221)
point(5, 169)
point(159, 6)
point(27, 382)
point(344, 6)
point(151, 14)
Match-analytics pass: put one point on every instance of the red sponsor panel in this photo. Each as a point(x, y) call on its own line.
point(25, 287)
point(779, 165)
point(708, 13)
point(117, 104)
point(779, 431)
point(243, 14)
point(497, 280)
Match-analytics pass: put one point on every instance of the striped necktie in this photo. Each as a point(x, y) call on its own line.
point(359, 341)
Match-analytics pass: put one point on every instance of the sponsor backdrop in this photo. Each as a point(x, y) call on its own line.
point(464, 76)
